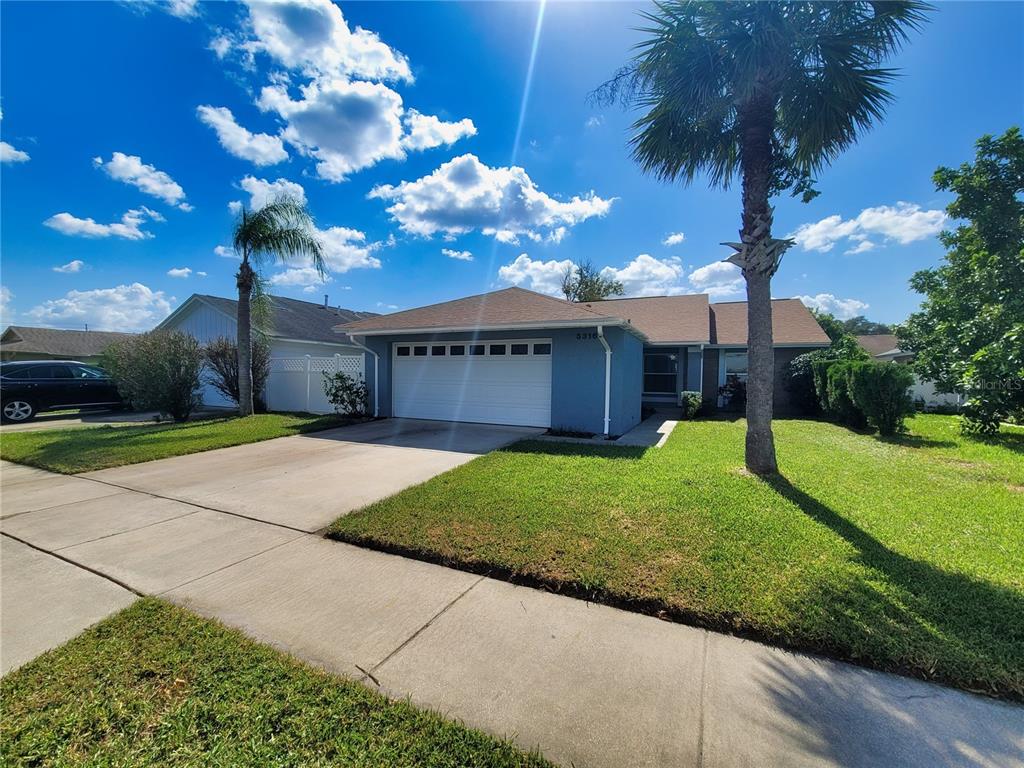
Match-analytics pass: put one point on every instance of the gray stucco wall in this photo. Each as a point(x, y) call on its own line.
point(577, 373)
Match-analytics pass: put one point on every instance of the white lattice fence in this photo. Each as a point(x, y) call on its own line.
point(296, 383)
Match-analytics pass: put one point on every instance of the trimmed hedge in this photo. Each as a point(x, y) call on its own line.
point(691, 403)
point(862, 392)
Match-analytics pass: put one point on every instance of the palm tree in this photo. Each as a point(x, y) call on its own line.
point(282, 230)
point(770, 92)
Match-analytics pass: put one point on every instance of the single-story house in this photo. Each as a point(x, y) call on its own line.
point(23, 342)
point(296, 329)
point(885, 347)
point(518, 357)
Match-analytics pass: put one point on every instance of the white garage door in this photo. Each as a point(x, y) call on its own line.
point(496, 382)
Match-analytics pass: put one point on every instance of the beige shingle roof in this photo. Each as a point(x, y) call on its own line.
point(662, 318)
point(508, 307)
point(57, 342)
point(792, 323)
point(879, 343)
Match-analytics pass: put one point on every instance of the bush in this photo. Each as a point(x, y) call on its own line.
point(221, 357)
point(157, 371)
point(799, 372)
point(691, 403)
point(348, 395)
point(839, 403)
point(881, 392)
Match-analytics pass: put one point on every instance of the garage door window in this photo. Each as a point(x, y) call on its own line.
point(478, 349)
point(403, 351)
point(520, 349)
point(457, 349)
point(437, 351)
point(542, 349)
point(419, 351)
point(497, 349)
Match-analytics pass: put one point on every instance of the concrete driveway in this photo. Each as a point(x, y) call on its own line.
point(306, 481)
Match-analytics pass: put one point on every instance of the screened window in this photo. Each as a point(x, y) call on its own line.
point(477, 349)
point(457, 349)
point(403, 351)
point(419, 351)
point(660, 369)
point(542, 349)
point(520, 349)
point(497, 349)
point(437, 351)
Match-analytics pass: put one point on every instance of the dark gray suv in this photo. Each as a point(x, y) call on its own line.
point(30, 386)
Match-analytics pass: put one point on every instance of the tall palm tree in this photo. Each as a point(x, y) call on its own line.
point(770, 92)
point(283, 229)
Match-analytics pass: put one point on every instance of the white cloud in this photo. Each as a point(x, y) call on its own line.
point(460, 255)
point(902, 223)
point(131, 170)
point(344, 125)
point(673, 238)
point(346, 249)
point(132, 307)
point(540, 276)
point(305, 277)
point(464, 194)
point(225, 252)
point(312, 37)
point(200, 274)
point(71, 267)
point(844, 309)
point(861, 247)
point(6, 310)
point(262, 192)
point(258, 148)
point(9, 154)
point(179, 272)
point(183, 9)
point(594, 121)
point(648, 276)
point(719, 279)
point(428, 131)
point(130, 226)
point(382, 305)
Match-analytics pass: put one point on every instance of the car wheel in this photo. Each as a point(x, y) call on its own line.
point(17, 411)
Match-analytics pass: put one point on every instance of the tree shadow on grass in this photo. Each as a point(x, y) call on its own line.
point(915, 441)
point(915, 618)
point(596, 450)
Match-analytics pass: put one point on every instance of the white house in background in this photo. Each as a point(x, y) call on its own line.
point(885, 347)
point(303, 344)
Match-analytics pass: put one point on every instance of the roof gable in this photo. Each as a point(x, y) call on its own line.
point(504, 308)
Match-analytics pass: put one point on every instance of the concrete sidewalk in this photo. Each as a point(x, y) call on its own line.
point(587, 684)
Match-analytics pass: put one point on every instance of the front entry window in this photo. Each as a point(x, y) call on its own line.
point(660, 369)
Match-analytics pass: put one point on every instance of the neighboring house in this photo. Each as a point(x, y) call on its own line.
point(885, 347)
point(295, 329)
point(22, 342)
point(518, 357)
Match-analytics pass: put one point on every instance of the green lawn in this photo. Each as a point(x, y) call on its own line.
point(157, 685)
point(904, 554)
point(85, 449)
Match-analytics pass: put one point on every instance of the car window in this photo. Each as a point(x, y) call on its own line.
point(19, 373)
point(85, 372)
point(60, 372)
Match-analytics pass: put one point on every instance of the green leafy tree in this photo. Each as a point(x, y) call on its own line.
point(861, 326)
point(769, 92)
point(969, 334)
point(282, 230)
point(584, 282)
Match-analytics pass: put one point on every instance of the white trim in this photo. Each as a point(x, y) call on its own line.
point(312, 341)
point(531, 326)
point(607, 378)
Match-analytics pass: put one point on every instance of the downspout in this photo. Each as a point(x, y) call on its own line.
point(376, 373)
point(700, 381)
point(607, 379)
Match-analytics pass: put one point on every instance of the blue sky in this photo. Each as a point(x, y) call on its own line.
point(132, 131)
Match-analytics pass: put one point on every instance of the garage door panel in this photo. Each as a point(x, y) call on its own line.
point(507, 389)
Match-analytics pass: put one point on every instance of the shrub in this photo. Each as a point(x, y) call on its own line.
point(691, 403)
point(881, 392)
point(157, 371)
point(221, 357)
point(347, 394)
point(839, 402)
point(799, 372)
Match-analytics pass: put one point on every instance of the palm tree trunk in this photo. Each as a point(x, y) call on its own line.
point(756, 163)
point(244, 281)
